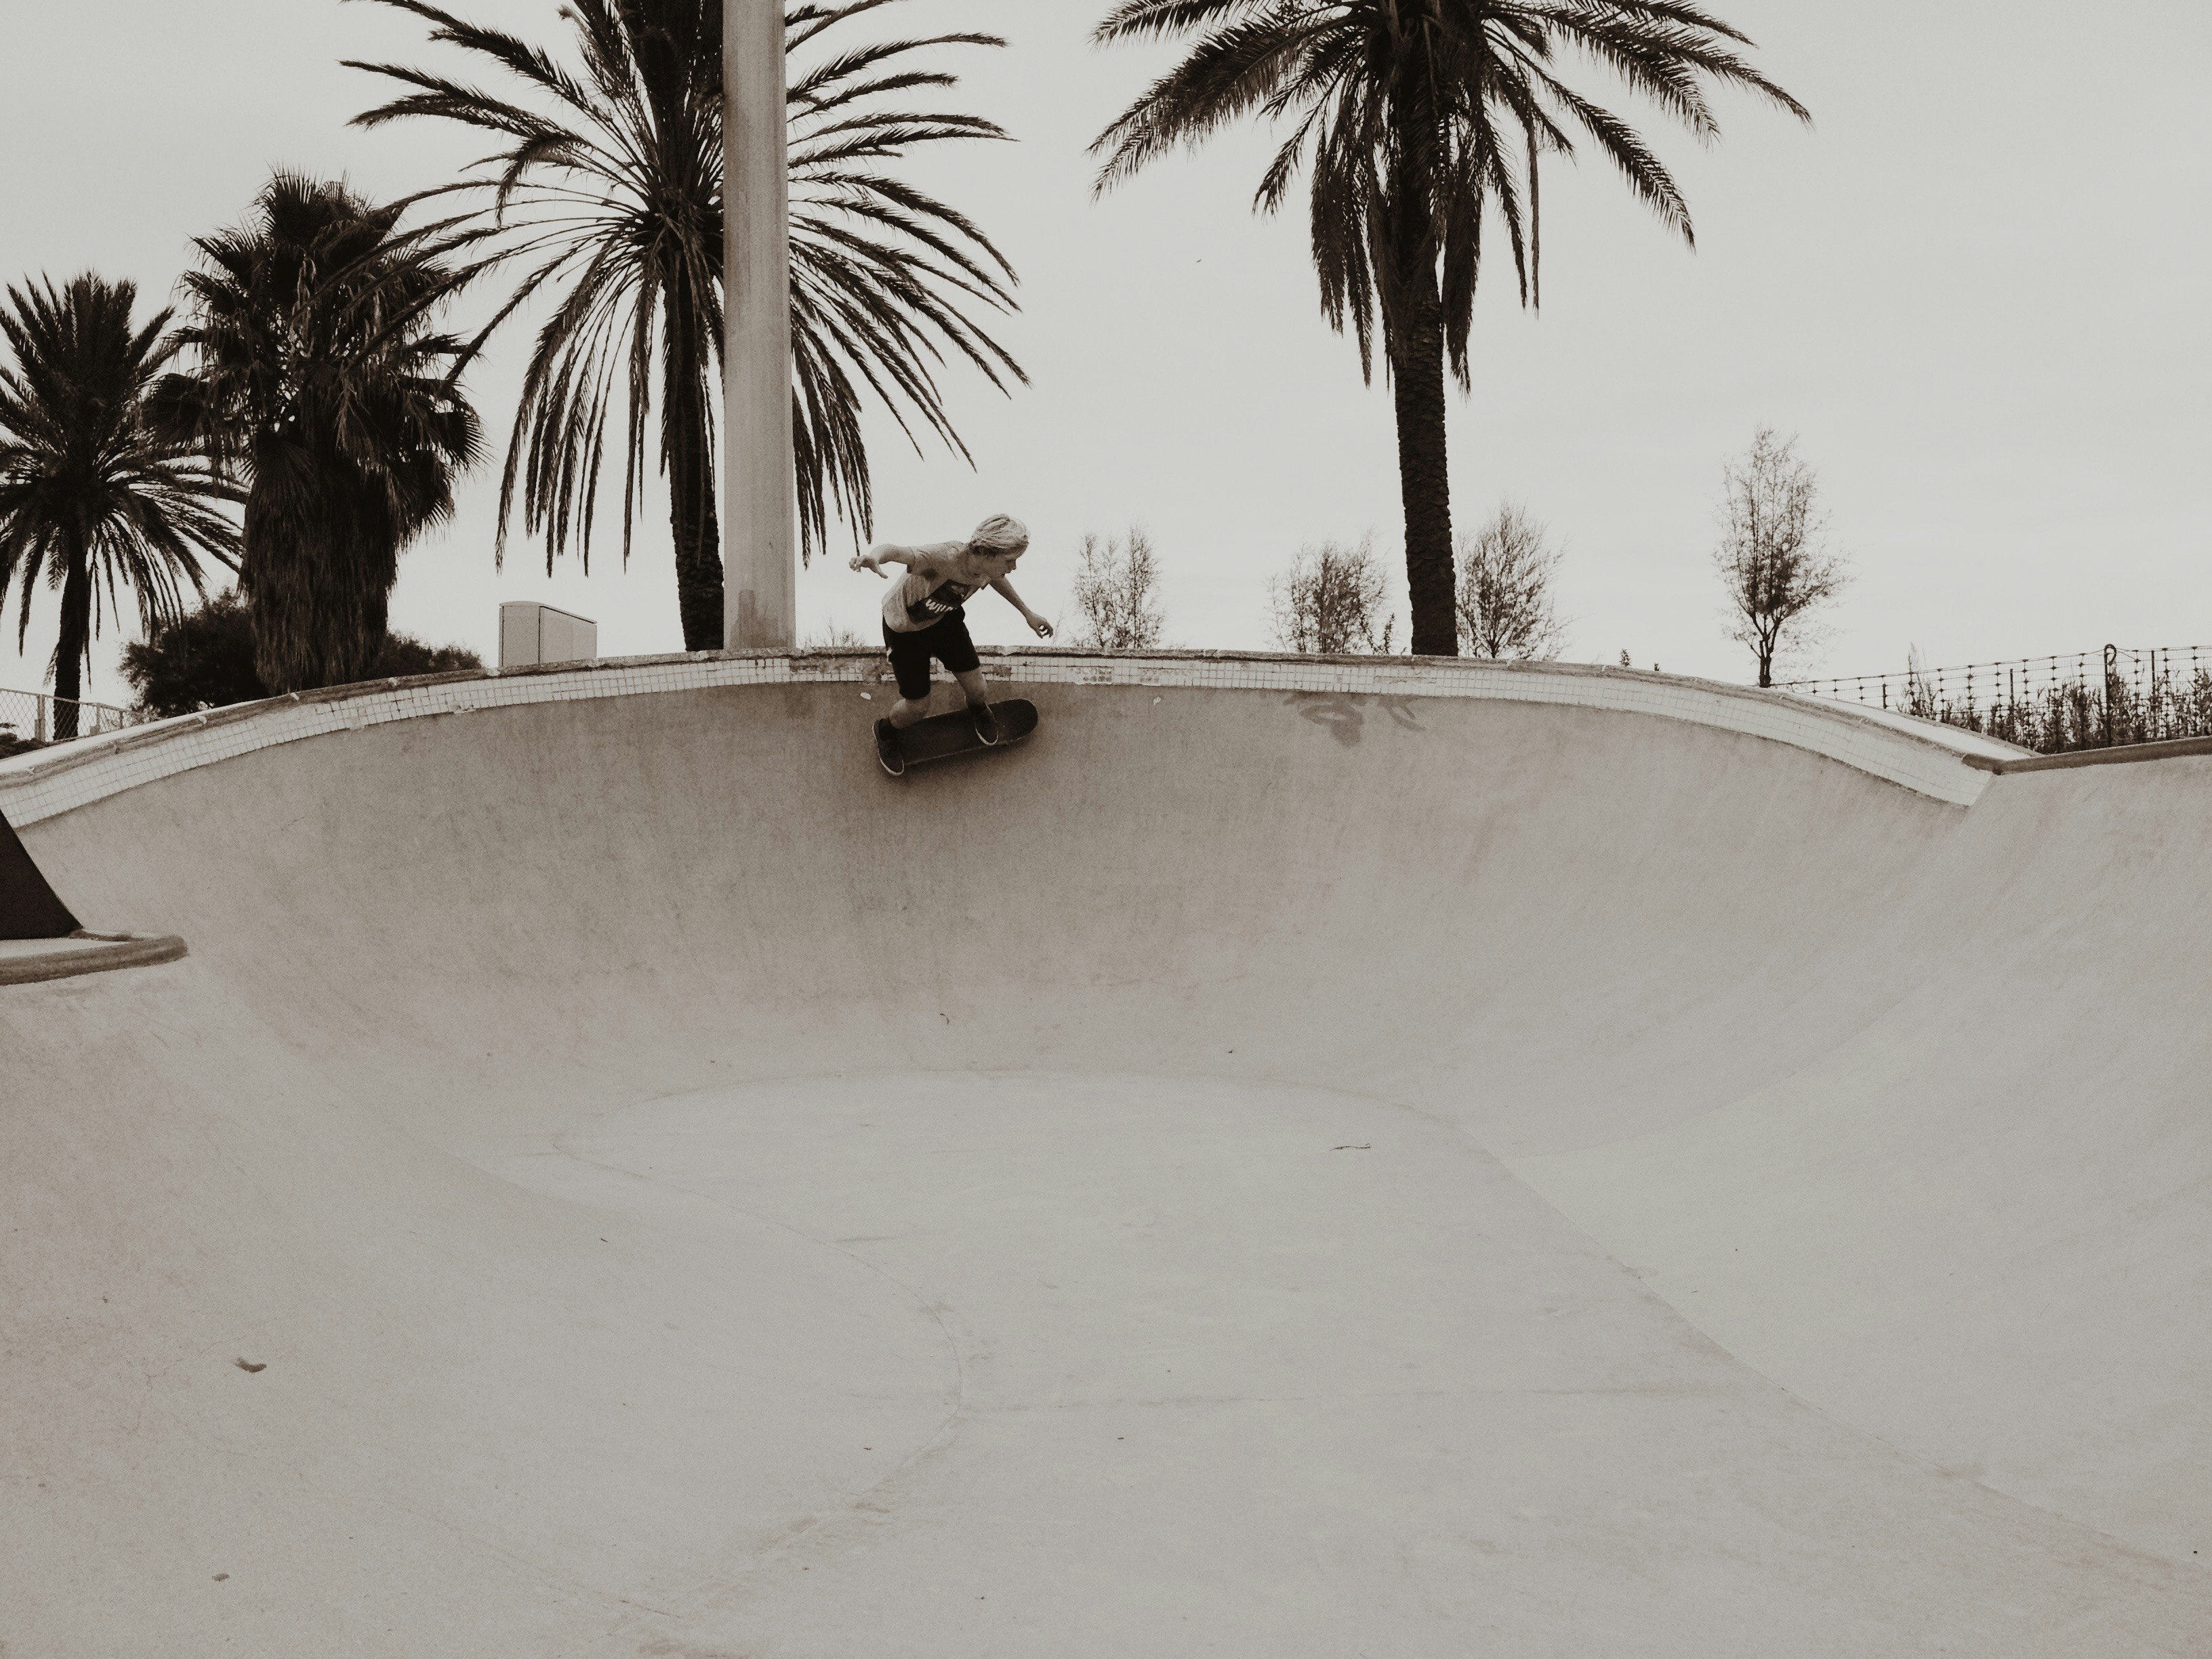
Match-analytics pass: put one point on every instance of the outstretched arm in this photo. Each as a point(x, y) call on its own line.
point(1005, 589)
point(884, 553)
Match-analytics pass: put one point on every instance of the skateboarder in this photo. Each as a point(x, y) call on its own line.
point(923, 618)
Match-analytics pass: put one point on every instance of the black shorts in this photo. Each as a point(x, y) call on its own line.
point(946, 640)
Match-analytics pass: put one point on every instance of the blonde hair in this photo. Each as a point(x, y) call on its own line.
point(1000, 534)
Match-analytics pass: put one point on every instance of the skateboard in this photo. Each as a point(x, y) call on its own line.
point(941, 737)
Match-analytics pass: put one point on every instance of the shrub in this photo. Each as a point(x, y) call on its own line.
point(204, 659)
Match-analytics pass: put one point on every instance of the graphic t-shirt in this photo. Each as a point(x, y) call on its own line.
point(932, 590)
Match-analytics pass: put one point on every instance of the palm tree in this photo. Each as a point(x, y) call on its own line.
point(93, 498)
point(607, 190)
point(1425, 121)
point(321, 384)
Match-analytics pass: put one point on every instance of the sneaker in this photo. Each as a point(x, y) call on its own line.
point(985, 722)
point(887, 750)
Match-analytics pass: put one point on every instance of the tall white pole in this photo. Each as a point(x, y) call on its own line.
point(760, 526)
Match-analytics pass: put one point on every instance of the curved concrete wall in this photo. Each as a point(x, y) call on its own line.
point(510, 999)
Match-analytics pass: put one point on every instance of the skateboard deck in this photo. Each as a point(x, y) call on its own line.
point(941, 737)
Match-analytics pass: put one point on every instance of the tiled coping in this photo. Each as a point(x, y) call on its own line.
point(2127, 754)
point(1915, 755)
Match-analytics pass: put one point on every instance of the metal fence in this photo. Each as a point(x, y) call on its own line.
point(2089, 700)
point(29, 720)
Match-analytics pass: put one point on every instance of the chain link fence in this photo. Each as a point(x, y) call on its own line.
point(2087, 700)
point(31, 720)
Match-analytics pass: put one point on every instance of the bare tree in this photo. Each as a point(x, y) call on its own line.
point(1504, 592)
point(1774, 558)
point(1333, 601)
point(1116, 592)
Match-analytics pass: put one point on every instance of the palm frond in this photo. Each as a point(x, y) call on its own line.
point(605, 196)
point(1337, 71)
point(1226, 76)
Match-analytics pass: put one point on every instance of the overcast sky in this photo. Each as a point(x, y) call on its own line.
point(1976, 289)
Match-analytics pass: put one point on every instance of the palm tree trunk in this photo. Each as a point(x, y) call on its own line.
point(692, 518)
point(1415, 326)
point(68, 650)
point(1423, 479)
point(321, 560)
point(698, 532)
